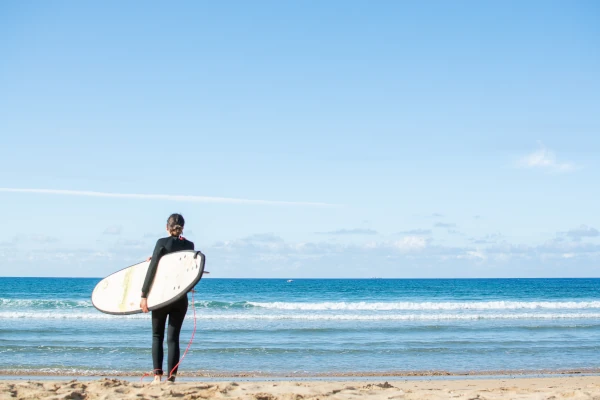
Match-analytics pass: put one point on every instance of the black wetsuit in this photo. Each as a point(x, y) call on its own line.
point(175, 311)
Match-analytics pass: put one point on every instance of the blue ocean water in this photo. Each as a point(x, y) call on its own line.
point(311, 327)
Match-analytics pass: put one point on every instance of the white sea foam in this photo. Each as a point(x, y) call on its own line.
point(432, 306)
point(332, 306)
point(401, 317)
point(74, 372)
point(44, 303)
point(312, 316)
point(65, 315)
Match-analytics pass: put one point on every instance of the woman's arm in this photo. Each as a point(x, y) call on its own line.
point(158, 250)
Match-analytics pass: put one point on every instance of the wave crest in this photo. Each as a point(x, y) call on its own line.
point(431, 306)
point(316, 317)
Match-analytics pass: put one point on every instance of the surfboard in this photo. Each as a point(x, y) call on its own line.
point(177, 273)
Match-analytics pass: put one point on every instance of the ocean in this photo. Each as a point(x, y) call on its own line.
point(313, 327)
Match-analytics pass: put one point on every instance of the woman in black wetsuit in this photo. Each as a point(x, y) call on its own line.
point(175, 311)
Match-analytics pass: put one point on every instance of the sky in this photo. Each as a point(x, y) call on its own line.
point(309, 139)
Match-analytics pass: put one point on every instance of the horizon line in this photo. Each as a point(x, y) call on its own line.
point(345, 278)
point(180, 198)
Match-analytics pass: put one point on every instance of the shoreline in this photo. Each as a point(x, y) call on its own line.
point(493, 374)
point(557, 387)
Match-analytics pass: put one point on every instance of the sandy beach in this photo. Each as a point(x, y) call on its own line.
point(573, 387)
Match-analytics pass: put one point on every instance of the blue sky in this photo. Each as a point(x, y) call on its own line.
point(312, 139)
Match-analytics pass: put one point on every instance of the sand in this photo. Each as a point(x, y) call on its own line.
point(572, 387)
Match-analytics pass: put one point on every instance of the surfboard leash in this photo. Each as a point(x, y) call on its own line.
point(191, 339)
point(147, 374)
point(186, 350)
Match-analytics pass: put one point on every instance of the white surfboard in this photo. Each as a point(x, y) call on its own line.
point(177, 273)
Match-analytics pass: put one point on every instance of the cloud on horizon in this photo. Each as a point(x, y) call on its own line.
point(411, 243)
point(414, 256)
point(543, 158)
point(581, 232)
point(268, 255)
point(415, 245)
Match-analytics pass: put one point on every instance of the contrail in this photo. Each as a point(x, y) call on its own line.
point(169, 197)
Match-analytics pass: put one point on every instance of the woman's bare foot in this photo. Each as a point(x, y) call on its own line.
point(156, 380)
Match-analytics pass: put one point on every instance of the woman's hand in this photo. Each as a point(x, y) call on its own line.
point(144, 305)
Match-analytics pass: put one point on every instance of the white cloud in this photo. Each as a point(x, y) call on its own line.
point(268, 255)
point(474, 255)
point(411, 243)
point(582, 232)
point(168, 197)
point(545, 159)
point(371, 245)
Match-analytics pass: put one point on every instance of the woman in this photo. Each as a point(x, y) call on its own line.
point(175, 311)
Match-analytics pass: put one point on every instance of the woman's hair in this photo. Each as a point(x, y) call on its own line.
point(175, 224)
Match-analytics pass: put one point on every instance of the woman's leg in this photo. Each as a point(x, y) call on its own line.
point(176, 317)
point(159, 318)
